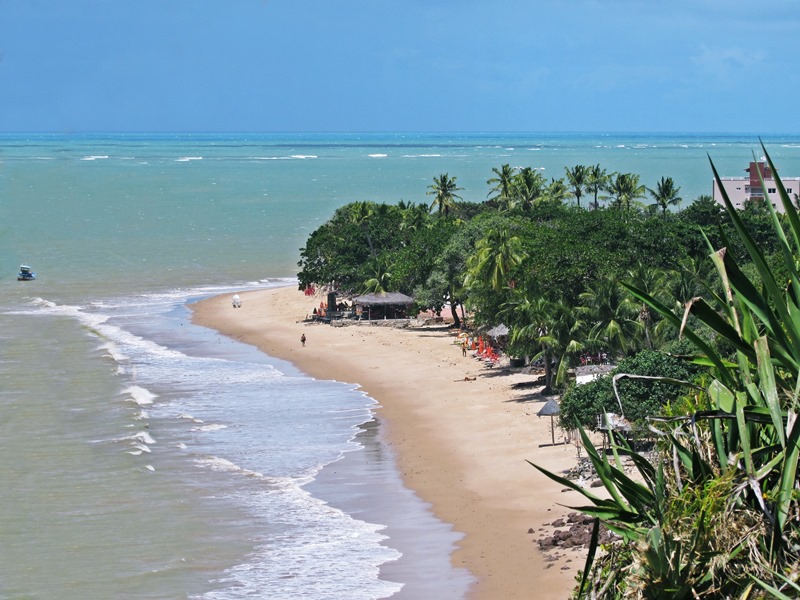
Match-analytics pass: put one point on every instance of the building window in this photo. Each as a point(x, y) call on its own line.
point(770, 190)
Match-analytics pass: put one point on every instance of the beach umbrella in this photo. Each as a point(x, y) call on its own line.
point(498, 331)
point(550, 409)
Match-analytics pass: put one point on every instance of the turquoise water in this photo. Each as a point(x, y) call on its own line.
point(143, 457)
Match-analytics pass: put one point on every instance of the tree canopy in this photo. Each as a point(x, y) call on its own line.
point(527, 243)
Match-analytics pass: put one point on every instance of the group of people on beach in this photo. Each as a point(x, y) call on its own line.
point(601, 358)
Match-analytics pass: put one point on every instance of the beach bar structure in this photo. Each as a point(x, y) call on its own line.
point(383, 305)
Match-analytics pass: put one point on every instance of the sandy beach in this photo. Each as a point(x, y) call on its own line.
point(461, 432)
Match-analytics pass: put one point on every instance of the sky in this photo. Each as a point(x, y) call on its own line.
point(399, 65)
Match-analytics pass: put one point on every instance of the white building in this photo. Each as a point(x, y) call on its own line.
point(741, 190)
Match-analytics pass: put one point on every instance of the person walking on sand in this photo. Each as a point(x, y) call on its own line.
point(303, 340)
point(236, 301)
point(464, 347)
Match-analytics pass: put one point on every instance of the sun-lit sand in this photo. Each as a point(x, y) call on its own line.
point(460, 431)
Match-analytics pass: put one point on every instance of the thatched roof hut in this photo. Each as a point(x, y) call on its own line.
point(384, 299)
point(386, 305)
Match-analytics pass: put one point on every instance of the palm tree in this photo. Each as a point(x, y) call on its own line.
point(360, 213)
point(625, 189)
point(381, 278)
point(665, 195)
point(444, 189)
point(497, 255)
point(414, 217)
point(548, 329)
point(578, 179)
point(597, 180)
point(651, 281)
point(526, 187)
point(610, 316)
point(502, 184)
point(691, 278)
point(556, 191)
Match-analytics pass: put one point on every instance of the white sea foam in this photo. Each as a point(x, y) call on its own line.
point(377, 155)
point(188, 158)
point(143, 437)
point(304, 156)
point(190, 418)
point(211, 427)
point(215, 463)
point(43, 303)
point(95, 157)
point(140, 395)
point(323, 551)
point(113, 351)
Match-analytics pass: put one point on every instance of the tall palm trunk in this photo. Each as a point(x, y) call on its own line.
point(548, 371)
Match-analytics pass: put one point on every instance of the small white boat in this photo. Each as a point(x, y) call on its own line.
point(25, 273)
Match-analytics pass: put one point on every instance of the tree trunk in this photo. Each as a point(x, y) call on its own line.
point(371, 247)
point(548, 373)
point(454, 310)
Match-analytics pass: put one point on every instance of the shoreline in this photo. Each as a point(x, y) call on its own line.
point(367, 485)
point(460, 434)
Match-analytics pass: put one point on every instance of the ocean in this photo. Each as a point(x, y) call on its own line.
point(144, 457)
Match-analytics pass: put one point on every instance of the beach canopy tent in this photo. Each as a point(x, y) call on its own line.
point(499, 334)
point(386, 305)
point(499, 331)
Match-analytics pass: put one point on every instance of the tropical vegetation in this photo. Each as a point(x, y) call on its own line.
point(536, 251)
point(699, 310)
point(714, 512)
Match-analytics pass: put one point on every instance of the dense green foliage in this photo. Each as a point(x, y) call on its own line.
point(640, 397)
point(528, 246)
point(713, 513)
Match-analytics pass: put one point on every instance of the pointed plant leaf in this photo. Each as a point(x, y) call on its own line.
point(671, 317)
point(593, 543)
point(744, 236)
point(766, 384)
point(788, 475)
point(566, 482)
point(721, 396)
point(703, 311)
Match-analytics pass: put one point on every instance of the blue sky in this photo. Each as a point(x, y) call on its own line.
point(399, 65)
